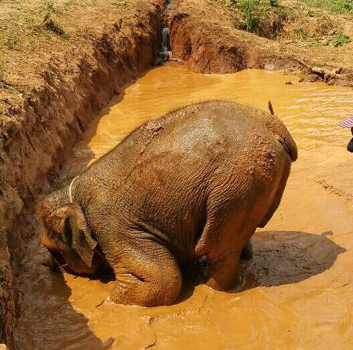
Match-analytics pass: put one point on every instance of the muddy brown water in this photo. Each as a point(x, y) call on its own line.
point(297, 291)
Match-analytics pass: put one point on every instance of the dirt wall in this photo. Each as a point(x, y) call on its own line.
point(206, 34)
point(218, 46)
point(41, 126)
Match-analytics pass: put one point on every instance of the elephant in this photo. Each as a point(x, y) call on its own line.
point(196, 182)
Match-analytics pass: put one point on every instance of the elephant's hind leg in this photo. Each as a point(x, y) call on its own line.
point(148, 276)
point(225, 241)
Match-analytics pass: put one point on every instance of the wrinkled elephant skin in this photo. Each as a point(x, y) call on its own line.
point(195, 182)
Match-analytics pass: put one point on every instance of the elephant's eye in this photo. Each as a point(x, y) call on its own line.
point(58, 258)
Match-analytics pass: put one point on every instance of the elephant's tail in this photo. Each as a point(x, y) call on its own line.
point(282, 134)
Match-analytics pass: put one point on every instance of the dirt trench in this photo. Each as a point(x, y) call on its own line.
point(204, 33)
point(39, 127)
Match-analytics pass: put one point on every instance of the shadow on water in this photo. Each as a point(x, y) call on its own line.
point(287, 257)
point(48, 320)
point(279, 258)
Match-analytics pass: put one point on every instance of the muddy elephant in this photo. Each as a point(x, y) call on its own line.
point(196, 182)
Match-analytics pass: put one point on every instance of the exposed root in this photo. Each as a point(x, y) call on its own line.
point(326, 74)
point(323, 73)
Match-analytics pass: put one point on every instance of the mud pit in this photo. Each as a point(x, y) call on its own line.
point(296, 293)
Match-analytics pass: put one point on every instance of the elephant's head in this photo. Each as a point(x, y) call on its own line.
point(67, 236)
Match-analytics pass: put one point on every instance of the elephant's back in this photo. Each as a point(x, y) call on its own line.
point(163, 173)
point(204, 123)
point(210, 130)
point(195, 127)
point(188, 145)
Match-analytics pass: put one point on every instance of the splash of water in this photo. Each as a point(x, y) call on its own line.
point(165, 42)
point(165, 54)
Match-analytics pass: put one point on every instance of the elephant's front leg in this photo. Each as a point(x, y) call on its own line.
point(222, 273)
point(146, 276)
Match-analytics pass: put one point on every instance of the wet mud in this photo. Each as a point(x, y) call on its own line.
point(296, 292)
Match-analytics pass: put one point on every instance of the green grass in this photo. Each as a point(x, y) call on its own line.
point(340, 40)
point(254, 12)
point(316, 43)
point(340, 6)
point(49, 9)
point(49, 24)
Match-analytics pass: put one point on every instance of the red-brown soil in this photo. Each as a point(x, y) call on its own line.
point(206, 34)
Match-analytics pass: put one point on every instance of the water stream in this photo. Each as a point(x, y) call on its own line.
point(296, 293)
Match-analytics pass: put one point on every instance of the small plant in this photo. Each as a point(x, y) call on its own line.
point(34, 25)
point(49, 24)
point(251, 14)
point(300, 34)
point(13, 42)
point(316, 43)
point(49, 9)
point(274, 3)
point(340, 40)
point(55, 27)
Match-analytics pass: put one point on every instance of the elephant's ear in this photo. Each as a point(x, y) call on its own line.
point(78, 233)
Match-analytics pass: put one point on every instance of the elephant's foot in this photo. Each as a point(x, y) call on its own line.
point(247, 253)
point(222, 273)
point(147, 277)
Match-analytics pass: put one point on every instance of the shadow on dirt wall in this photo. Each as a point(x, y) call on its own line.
point(79, 159)
point(47, 315)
